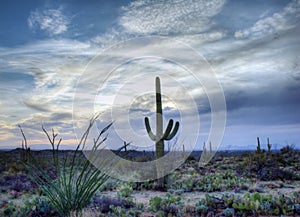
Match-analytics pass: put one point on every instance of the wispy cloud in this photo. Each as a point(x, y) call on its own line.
point(287, 19)
point(260, 75)
point(40, 82)
point(175, 17)
point(52, 21)
point(36, 105)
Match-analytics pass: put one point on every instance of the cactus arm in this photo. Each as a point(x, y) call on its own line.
point(172, 134)
point(168, 129)
point(148, 128)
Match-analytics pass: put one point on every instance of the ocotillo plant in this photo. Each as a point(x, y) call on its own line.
point(160, 136)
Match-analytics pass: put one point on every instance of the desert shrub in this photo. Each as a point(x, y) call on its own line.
point(259, 204)
point(248, 205)
point(148, 185)
point(41, 207)
point(225, 180)
point(216, 206)
point(228, 212)
point(288, 149)
point(9, 209)
point(121, 212)
point(170, 205)
point(16, 167)
point(189, 209)
point(18, 182)
point(110, 184)
point(125, 190)
point(76, 180)
point(201, 207)
point(109, 206)
point(268, 166)
point(104, 204)
point(155, 203)
point(37, 207)
point(288, 156)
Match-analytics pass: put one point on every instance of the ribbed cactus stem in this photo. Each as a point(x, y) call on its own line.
point(159, 112)
point(159, 121)
point(258, 146)
point(204, 150)
point(269, 146)
point(160, 136)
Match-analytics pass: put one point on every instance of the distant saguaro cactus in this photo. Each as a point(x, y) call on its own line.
point(258, 149)
point(160, 136)
point(204, 150)
point(269, 146)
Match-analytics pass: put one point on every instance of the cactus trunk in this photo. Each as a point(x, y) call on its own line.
point(160, 146)
point(159, 143)
point(160, 135)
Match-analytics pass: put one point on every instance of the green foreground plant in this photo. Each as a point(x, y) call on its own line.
point(38, 206)
point(168, 206)
point(76, 179)
point(249, 205)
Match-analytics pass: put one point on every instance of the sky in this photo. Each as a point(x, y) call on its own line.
point(55, 58)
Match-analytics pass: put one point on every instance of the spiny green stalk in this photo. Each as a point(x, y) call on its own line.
point(160, 136)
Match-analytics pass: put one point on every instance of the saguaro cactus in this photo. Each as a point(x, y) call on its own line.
point(258, 150)
point(160, 136)
point(204, 151)
point(269, 145)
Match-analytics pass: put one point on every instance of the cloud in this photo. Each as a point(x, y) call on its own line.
point(6, 131)
point(60, 120)
point(52, 21)
point(166, 18)
point(36, 105)
point(260, 72)
point(287, 19)
point(41, 78)
point(52, 64)
point(257, 74)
